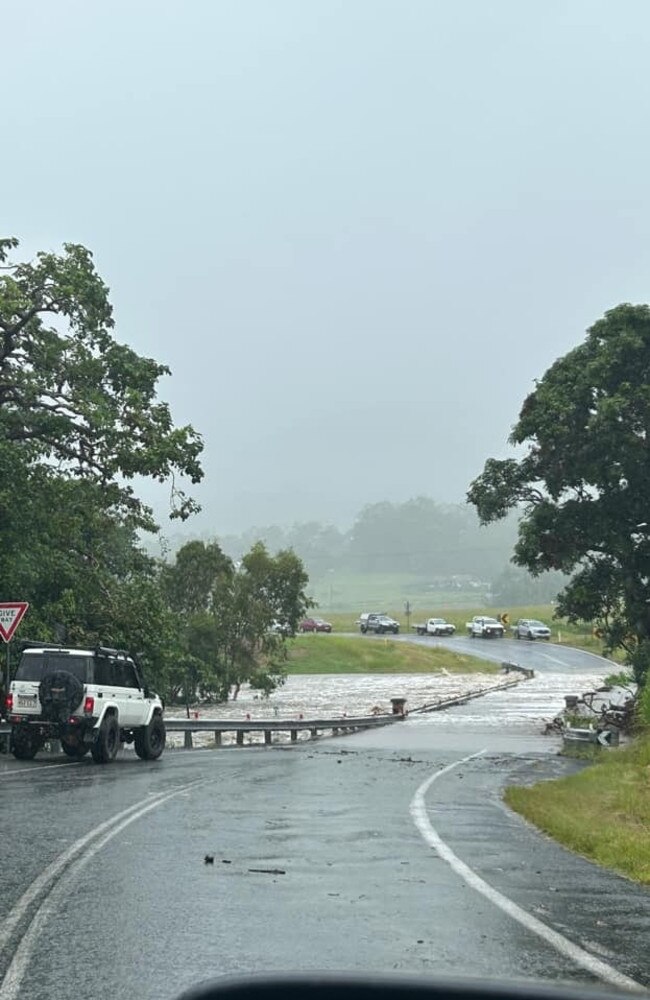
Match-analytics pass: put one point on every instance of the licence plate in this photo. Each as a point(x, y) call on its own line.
point(26, 701)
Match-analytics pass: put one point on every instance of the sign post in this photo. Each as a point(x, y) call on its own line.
point(11, 615)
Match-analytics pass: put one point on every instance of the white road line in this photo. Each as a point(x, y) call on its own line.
point(43, 882)
point(554, 659)
point(39, 767)
point(14, 976)
point(561, 944)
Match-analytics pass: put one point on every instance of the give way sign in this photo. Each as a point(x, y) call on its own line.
point(11, 615)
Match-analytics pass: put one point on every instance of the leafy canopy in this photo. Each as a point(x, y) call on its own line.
point(226, 615)
point(583, 482)
point(72, 396)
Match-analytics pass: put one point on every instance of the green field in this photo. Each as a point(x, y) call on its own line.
point(562, 632)
point(603, 812)
point(343, 592)
point(337, 654)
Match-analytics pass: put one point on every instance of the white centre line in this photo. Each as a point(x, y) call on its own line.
point(554, 659)
point(94, 841)
point(561, 944)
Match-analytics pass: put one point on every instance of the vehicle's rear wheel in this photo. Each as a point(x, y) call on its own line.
point(363, 630)
point(24, 745)
point(74, 750)
point(107, 741)
point(150, 740)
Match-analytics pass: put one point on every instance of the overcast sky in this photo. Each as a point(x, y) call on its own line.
point(356, 230)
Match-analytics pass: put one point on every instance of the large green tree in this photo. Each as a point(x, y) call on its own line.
point(72, 396)
point(227, 615)
point(583, 480)
point(80, 419)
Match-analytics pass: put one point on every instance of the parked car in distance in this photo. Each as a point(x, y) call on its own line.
point(484, 627)
point(315, 625)
point(362, 620)
point(281, 628)
point(435, 626)
point(530, 628)
point(381, 624)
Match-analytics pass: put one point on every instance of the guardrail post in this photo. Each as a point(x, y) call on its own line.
point(217, 738)
point(313, 733)
point(267, 736)
point(187, 740)
point(294, 735)
point(240, 737)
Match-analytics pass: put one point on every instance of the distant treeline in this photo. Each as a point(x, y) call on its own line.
point(442, 542)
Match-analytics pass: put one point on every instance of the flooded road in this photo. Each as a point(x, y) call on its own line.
point(387, 851)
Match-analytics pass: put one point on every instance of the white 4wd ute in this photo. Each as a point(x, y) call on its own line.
point(89, 699)
point(435, 626)
point(485, 628)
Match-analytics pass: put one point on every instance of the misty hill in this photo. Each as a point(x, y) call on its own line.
point(419, 537)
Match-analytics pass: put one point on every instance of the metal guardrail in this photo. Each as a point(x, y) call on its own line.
point(508, 668)
point(345, 724)
point(462, 699)
point(598, 737)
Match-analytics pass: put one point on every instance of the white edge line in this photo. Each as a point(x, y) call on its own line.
point(561, 944)
point(13, 978)
point(49, 874)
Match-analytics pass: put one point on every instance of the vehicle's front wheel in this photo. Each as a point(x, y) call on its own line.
point(150, 740)
point(24, 746)
point(395, 631)
point(107, 741)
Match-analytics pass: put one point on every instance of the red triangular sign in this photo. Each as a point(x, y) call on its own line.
point(11, 615)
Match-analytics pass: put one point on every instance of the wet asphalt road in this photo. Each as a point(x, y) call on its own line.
point(133, 910)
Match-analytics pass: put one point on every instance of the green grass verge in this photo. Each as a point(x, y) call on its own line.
point(603, 812)
point(337, 654)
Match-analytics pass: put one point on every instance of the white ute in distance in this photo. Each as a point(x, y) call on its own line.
point(483, 627)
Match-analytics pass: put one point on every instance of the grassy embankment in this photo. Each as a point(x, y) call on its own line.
point(563, 632)
point(603, 812)
point(338, 654)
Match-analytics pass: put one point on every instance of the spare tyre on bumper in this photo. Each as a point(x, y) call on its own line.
point(150, 739)
point(60, 693)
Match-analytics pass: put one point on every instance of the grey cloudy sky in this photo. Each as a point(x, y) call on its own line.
point(356, 229)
